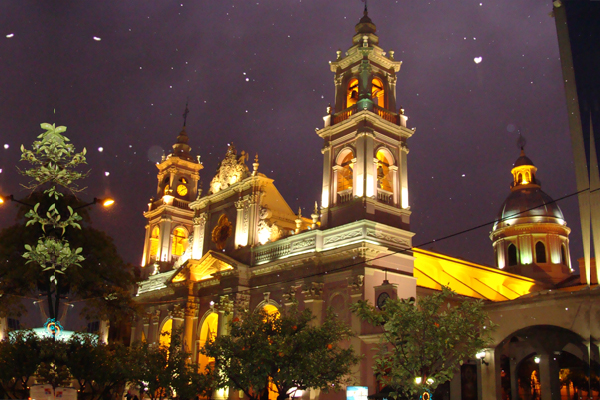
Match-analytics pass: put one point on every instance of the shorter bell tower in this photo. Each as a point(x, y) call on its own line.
point(169, 216)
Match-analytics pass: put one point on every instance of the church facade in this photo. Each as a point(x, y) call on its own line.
point(239, 244)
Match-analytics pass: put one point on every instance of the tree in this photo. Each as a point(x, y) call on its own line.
point(424, 343)
point(19, 361)
point(49, 250)
point(282, 353)
point(162, 371)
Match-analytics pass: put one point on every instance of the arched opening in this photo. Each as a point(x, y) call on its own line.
point(345, 173)
point(377, 92)
point(271, 310)
point(519, 178)
point(164, 339)
point(352, 93)
point(167, 189)
point(540, 252)
point(154, 244)
point(513, 258)
point(179, 241)
point(563, 255)
point(208, 332)
point(384, 176)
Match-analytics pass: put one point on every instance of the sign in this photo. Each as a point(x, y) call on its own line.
point(46, 392)
point(357, 392)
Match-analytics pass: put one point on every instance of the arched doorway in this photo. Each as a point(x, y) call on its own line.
point(208, 332)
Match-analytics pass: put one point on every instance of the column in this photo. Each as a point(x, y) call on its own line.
point(359, 166)
point(145, 255)
point(403, 176)
point(326, 151)
point(241, 223)
point(253, 215)
point(314, 302)
point(190, 317)
point(198, 245)
point(391, 78)
point(491, 376)
point(395, 184)
point(370, 168)
point(165, 236)
point(514, 379)
point(549, 377)
point(334, 186)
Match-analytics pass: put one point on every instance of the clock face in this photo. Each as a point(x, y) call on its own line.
point(383, 297)
point(182, 190)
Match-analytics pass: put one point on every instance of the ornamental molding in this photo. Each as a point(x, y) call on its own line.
point(343, 236)
point(177, 312)
point(313, 291)
point(308, 242)
point(389, 238)
point(200, 220)
point(232, 169)
point(356, 283)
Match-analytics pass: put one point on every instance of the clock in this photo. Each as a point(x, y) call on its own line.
point(381, 299)
point(182, 190)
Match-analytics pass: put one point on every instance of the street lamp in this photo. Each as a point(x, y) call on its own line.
point(481, 356)
point(106, 202)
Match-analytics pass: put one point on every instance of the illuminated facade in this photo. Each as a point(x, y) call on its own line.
point(247, 248)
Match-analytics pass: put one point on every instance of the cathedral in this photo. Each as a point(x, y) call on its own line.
point(237, 243)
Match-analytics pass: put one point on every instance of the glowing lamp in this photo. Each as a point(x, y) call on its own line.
point(106, 202)
point(418, 380)
point(430, 380)
point(480, 355)
point(537, 359)
point(1, 200)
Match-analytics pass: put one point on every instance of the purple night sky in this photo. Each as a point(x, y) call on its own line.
point(257, 74)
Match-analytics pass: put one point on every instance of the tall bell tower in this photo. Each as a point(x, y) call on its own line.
point(365, 133)
point(169, 216)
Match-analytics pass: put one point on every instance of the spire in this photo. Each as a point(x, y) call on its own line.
point(181, 148)
point(523, 170)
point(365, 25)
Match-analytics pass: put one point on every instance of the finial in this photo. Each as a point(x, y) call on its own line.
point(316, 208)
point(186, 112)
point(299, 212)
point(521, 142)
point(255, 165)
point(366, 12)
point(329, 109)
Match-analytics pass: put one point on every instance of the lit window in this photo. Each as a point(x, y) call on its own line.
point(377, 92)
point(179, 242)
point(165, 334)
point(208, 333)
point(384, 177)
point(540, 252)
point(154, 242)
point(345, 174)
point(352, 95)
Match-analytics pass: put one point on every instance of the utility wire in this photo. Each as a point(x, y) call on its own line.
point(407, 250)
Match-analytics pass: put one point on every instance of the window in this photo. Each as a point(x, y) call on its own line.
point(563, 255)
point(384, 176)
point(93, 327)
point(345, 174)
point(352, 95)
point(513, 258)
point(154, 242)
point(377, 92)
point(165, 334)
point(14, 324)
point(540, 252)
point(179, 242)
point(208, 333)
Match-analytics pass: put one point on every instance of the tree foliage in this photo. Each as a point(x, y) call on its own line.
point(281, 352)
point(426, 340)
point(52, 249)
point(19, 361)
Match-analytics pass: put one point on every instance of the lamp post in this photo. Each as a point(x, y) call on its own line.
point(106, 202)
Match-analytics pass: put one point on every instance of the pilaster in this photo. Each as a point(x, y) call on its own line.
point(199, 228)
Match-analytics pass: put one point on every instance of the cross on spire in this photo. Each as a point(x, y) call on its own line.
point(366, 10)
point(186, 112)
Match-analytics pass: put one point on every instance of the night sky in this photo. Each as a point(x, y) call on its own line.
point(117, 74)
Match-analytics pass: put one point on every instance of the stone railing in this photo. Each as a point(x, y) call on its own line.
point(384, 196)
point(385, 114)
point(183, 204)
point(343, 115)
point(344, 195)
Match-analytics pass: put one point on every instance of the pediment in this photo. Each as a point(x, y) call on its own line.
point(205, 268)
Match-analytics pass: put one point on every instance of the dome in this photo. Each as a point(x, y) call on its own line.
point(365, 25)
point(523, 160)
point(522, 203)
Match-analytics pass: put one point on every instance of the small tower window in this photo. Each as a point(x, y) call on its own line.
point(179, 242)
point(345, 174)
point(352, 94)
point(540, 252)
point(563, 255)
point(513, 258)
point(384, 176)
point(377, 92)
point(154, 243)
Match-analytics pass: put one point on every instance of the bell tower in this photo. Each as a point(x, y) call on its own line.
point(365, 133)
point(169, 216)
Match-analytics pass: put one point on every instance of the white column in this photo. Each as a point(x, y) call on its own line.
point(198, 245)
point(326, 177)
point(549, 377)
point(334, 185)
point(395, 183)
point(370, 170)
point(145, 255)
point(403, 177)
point(241, 223)
point(165, 239)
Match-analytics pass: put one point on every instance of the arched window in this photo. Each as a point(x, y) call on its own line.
point(377, 92)
point(270, 309)
point(345, 173)
point(563, 255)
point(165, 333)
point(167, 189)
point(154, 242)
point(352, 93)
point(208, 332)
point(540, 252)
point(179, 241)
point(519, 178)
point(384, 176)
point(513, 258)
